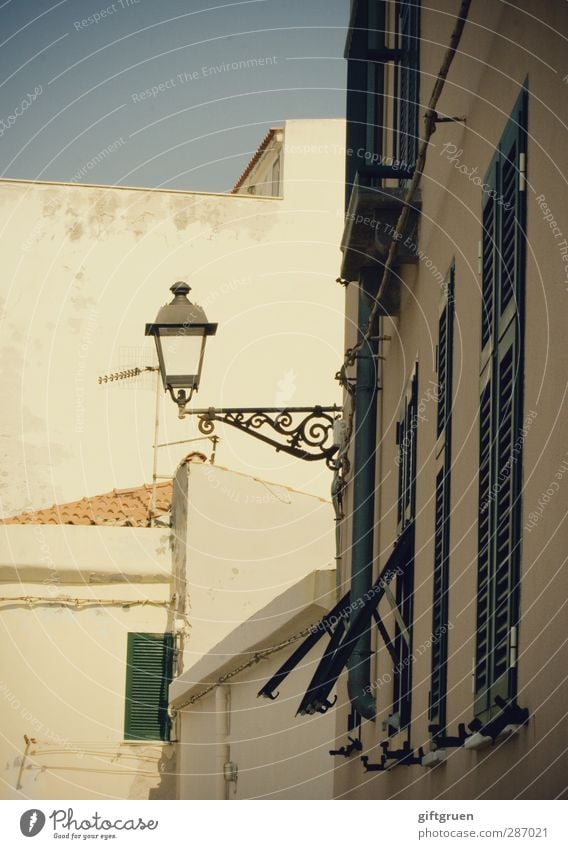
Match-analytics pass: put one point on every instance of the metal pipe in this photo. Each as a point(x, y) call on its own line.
point(362, 549)
point(152, 506)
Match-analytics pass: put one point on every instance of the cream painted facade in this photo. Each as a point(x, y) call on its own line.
point(231, 745)
point(239, 542)
point(69, 597)
point(503, 609)
point(502, 46)
point(85, 267)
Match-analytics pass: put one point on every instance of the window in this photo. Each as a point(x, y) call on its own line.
point(275, 191)
point(149, 664)
point(365, 88)
point(438, 686)
point(406, 439)
point(500, 418)
point(407, 82)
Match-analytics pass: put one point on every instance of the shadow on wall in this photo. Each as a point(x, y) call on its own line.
point(166, 787)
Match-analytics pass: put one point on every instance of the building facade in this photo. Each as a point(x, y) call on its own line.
point(86, 266)
point(107, 601)
point(87, 646)
point(448, 650)
point(232, 746)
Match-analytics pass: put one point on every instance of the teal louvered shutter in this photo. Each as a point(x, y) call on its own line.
point(445, 355)
point(511, 193)
point(149, 665)
point(506, 522)
point(484, 556)
point(438, 687)
point(489, 265)
point(500, 456)
point(440, 599)
point(402, 672)
point(406, 439)
point(408, 82)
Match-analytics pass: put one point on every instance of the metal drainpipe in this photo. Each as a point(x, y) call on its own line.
point(359, 665)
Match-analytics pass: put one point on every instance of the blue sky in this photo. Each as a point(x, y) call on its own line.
point(74, 72)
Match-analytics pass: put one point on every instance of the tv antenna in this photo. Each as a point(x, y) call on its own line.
point(137, 371)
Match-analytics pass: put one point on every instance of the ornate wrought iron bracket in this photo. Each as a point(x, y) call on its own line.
point(305, 432)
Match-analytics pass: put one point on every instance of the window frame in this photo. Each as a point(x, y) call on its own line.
point(407, 83)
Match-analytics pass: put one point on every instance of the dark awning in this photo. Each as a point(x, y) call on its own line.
point(345, 624)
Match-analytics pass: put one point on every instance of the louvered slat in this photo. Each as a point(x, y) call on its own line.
point(442, 370)
point(406, 434)
point(484, 541)
point(508, 240)
point(408, 82)
point(504, 506)
point(488, 271)
point(440, 604)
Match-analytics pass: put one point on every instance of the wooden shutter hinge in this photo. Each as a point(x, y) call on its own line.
point(522, 172)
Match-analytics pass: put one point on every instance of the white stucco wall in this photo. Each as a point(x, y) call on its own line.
point(63, 665)
point(84, 267)
point(247, 542)
point(278, 755)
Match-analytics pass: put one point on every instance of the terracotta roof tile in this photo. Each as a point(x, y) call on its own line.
point(258, 153)
point(119, 507)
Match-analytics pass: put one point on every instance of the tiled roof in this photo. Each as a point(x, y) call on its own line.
point(252, 162)
point(126, 507)
point(121, 507)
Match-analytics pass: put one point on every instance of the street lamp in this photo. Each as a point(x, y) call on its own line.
point(180, 331)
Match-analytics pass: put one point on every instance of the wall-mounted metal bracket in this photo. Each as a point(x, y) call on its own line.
point(405, 755)
point(443, 741)
point(305, 432)
point(373, 767)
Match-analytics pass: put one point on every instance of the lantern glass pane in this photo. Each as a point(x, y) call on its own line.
point(181, 358)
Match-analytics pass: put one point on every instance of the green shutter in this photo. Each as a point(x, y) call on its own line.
point(511, 194)
point(445, 356)
point(500, 468)
point(407, 453)
point(406, 438)
point(408, 82)
point(507, 498)
point(488, 266)
point(149, 664)
point(483, 648)
point(440, 600)
point(438, 688)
